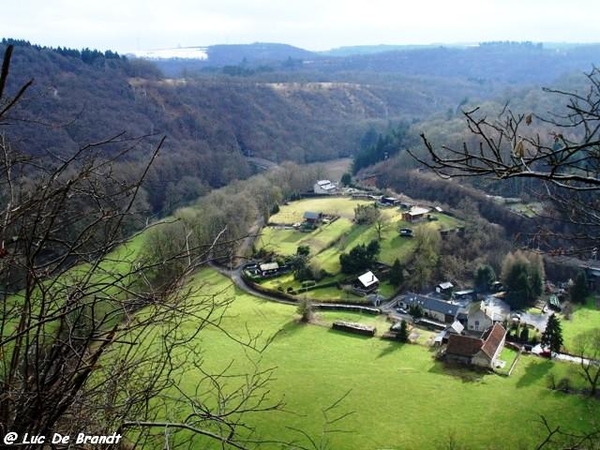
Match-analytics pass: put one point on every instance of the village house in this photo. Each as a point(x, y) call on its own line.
point(473, 351)
point(415, 214)
point(480, 317)
point(268, 269)
point(324, 187)
point(312, 218)
point(433, 308)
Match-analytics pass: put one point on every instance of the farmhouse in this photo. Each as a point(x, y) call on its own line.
point(481, 352)
point(324, 187)
point(389, 201)
point(415, 214)
point(433, 308)
point(481, 317)
point(267, 269)
point(312, 218)
point(368, 282)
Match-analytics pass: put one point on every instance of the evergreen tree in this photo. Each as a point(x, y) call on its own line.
point(346, 179)
point(524, 336)
point(484, 277)
point(359, 258)
point(523, 276)
point(552, 337)
point(580, 290)
point(402, 335)
point(397, 273)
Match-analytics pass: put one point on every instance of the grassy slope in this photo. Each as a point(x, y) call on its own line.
point(342, 232)
point(585, 318)
point(330, 240)
point(400, 397)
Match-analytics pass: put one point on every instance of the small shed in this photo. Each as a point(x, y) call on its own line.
point(312, 217)
point(368, 281)
point(442, 337)
point(444, 288)
point(389, 201)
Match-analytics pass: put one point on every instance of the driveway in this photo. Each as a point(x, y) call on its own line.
point(536, 320)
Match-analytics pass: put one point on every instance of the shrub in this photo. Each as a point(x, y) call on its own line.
point(305, 309)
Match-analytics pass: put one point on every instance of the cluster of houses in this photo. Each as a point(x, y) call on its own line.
point(471, 330)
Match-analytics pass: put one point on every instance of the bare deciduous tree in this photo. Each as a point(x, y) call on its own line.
point(562, 155)
point(92, 331)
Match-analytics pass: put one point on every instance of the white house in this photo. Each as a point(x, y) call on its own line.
point(324, 187)
point(481, 318)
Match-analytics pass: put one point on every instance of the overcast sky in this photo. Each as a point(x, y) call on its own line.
point(129, 25)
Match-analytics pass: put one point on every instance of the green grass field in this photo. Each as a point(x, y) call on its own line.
point(397, 395)
point(286, 241)
point(340, 206)
point(584, 318)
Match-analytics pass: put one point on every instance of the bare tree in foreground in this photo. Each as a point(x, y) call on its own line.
point(561, 152)
point(94, 332)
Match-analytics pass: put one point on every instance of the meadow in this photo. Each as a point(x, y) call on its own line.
point(584, 318)
point(393, 396)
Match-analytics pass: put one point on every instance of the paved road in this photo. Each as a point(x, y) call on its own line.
point(236, 277)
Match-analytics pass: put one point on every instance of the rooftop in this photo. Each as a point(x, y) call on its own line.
point(418, 211)
point(432, 304)
point(368, 279)
point(470, 346)
point(493, 337)
point(312, 215)
point(269, 266)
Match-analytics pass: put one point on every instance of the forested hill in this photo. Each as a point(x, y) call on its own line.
point(211, 122)
point(512, 63)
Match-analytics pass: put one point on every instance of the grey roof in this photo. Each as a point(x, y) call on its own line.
point(432, 304)
point(311, 215)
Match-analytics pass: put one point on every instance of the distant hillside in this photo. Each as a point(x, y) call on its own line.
point(256, 53)
point(514, 63)
point(371, 49)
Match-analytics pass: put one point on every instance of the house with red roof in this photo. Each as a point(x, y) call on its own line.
point(476, 351)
